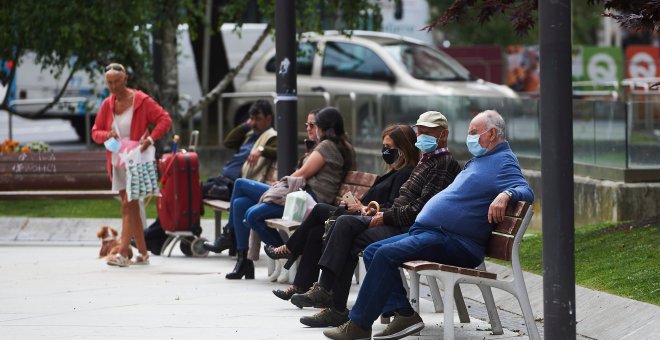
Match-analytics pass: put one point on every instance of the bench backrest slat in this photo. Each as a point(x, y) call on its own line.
point(357, 183)
point(81, 170)
point(53, 156)
point(509, 226)
point(500, 244)
point(53, 167)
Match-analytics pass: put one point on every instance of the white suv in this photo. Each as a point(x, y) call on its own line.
point(367, 63)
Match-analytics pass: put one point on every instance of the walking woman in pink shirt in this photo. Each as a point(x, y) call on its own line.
point(127, 114)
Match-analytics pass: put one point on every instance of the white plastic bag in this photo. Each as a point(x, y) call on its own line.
point(298, 205)
point(141, 173)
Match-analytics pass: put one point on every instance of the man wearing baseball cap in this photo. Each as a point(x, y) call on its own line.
point(351, 234)
point(432, 133)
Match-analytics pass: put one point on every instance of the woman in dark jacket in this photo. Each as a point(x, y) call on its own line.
point(400, 156)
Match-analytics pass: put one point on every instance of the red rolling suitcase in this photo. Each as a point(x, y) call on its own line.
point(180, 205)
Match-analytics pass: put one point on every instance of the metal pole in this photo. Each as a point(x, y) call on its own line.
point(287, 98)
point(88, 130)
point(10, 123)
point(557, 170)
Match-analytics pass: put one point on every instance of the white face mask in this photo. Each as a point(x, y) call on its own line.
point(318, 134)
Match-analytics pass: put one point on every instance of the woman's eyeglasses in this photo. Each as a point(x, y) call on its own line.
point(309, 125)
point(114, 67)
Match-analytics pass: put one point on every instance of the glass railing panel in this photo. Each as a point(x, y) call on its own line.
point(609, 134)
point(522, 125)
point(604, 133)
point(583, 132)
point(644, 132)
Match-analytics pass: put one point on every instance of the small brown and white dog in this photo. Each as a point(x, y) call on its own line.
point(110, 244)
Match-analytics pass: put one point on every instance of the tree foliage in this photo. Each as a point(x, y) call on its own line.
point(85, 35)
point(76, 36)
point(633, 14)
point(497, 29)
point(522, 14)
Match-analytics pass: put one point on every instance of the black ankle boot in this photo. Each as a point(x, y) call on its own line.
point(225, 241)
point(244, 267)
point(232, 240)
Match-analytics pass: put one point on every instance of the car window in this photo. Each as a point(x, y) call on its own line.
point(423, 62)
point(304, 59)
point(353, 61)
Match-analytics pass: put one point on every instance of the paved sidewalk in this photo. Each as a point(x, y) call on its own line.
point(52, 286)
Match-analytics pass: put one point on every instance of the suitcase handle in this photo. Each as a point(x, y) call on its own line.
point(194, 140)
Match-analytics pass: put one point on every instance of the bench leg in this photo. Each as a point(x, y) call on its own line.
point(448, 325)
point(414, 291)
point(404, 281)
point(218, 224)
point(493, 316)
point(523, 300)
point(435, 294)
point(460, 305)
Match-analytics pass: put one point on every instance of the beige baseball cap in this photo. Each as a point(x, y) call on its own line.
point(432, 119)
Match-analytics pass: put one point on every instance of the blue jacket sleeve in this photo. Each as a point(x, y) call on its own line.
point(512, 179)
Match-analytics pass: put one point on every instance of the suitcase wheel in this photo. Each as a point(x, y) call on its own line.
point(197, 249)
point(185, 245)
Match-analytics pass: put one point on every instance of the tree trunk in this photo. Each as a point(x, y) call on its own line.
point(169, 73)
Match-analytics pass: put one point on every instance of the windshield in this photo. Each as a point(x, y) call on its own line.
point(423, 62)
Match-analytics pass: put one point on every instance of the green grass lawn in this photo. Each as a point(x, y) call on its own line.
point(619, 260)
point(103, 208)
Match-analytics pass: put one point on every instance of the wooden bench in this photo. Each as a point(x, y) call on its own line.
point(42, 175)
point(356, 182)
point(504, 244)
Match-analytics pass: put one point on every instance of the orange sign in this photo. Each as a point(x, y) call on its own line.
point(643, 61)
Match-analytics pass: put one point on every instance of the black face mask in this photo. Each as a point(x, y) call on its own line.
point(309, 145)
point(390, 155)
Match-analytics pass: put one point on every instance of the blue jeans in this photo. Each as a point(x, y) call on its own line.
point(245, 213)
point(382, 290)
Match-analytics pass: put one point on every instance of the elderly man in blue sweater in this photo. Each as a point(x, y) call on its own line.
point(453, 228)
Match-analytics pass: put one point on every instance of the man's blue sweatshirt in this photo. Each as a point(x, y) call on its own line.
point(461, 210)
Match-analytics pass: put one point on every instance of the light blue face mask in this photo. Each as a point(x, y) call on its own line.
point(112, 144)
point(426, 143)
point(473, 145)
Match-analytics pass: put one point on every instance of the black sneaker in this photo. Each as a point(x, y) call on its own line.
point(328, 317)
point(316, 297)
point(401, 327)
